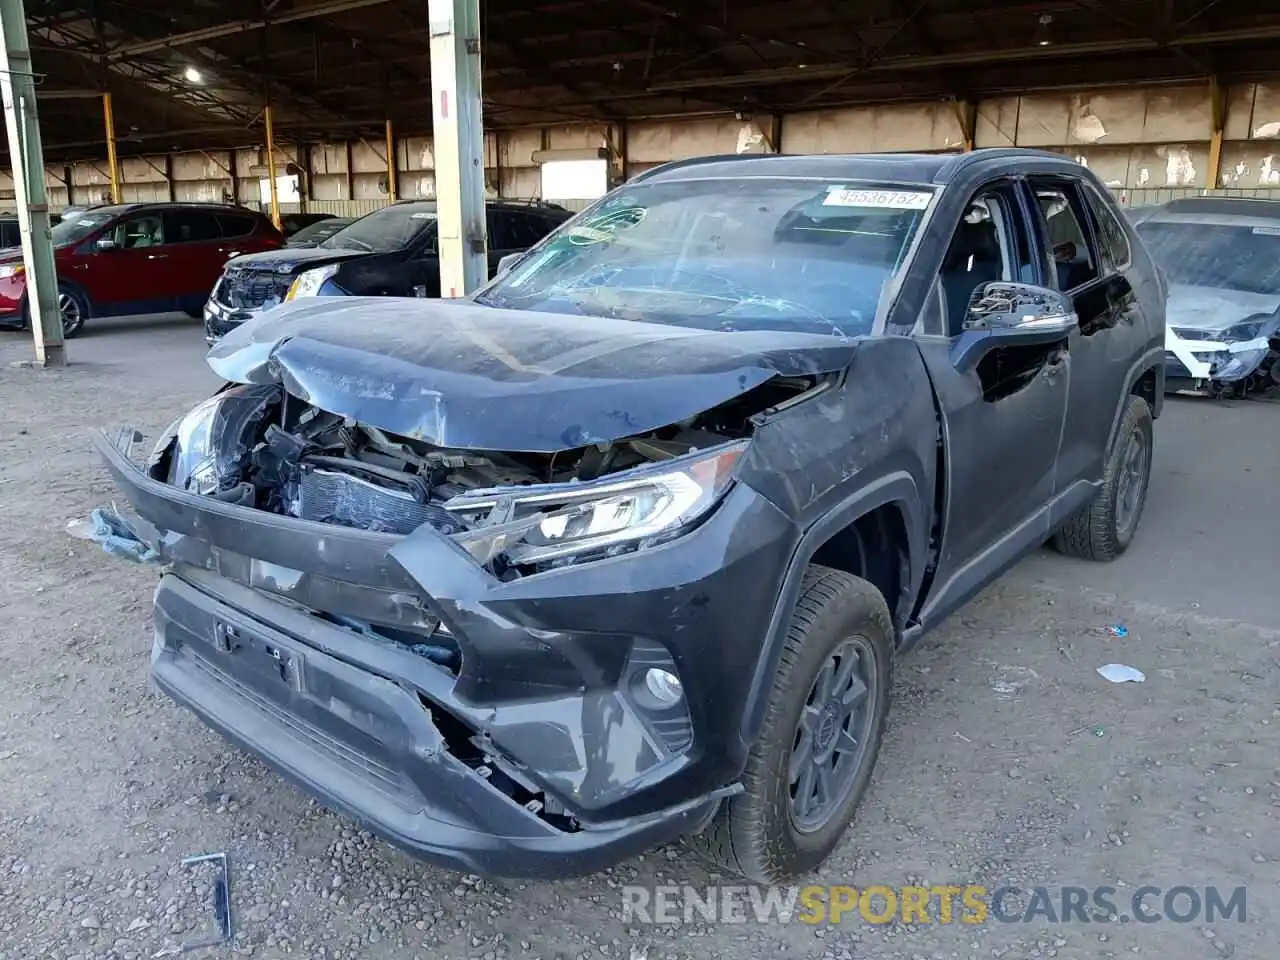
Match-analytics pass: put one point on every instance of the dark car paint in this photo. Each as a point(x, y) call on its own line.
point(411, 271)
point(491, 379)
point(968, 484)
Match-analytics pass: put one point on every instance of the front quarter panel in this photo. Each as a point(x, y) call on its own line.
point(868, 442)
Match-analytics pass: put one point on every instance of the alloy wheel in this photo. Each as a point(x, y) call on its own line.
point(69, 308)
point(833, 734)
point(1131, 480)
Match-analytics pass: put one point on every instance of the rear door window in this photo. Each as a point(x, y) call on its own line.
point(234, 226)
point(530, 228)
point(190, 226)
point(1113, 242)
point(503, 232)
point(1072, 254)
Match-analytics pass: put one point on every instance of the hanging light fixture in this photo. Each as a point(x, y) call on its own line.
point(1042, 30)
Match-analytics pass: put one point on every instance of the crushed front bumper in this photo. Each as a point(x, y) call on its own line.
point(1206, 367)
point(533, 758)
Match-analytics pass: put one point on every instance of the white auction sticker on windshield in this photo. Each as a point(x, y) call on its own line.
point(886, 199)
point(1267, 231)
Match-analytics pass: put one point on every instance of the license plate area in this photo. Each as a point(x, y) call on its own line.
point(273, 666)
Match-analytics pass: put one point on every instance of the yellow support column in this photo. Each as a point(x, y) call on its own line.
point(271, 166)
point(391, 164)
point(113, 162)
point(1218, 112)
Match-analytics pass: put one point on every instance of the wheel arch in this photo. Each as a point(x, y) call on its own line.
point(1145, 379)
point(877, 533)
point(80, 289)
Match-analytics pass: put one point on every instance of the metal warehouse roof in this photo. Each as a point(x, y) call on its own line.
point(194, 73)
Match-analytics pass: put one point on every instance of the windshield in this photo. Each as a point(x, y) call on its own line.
point(317, 232)
point(734, 254)
point(384, 231)
point(1219, 255)
point(77, 227)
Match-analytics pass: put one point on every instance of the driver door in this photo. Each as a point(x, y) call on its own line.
point(1002, 422)
point(133, 276)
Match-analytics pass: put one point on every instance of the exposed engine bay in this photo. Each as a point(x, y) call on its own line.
point(255, 445)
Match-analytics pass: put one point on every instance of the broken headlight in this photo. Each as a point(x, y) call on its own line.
point(556, 521)
point(1236, 364)
point(209, 445)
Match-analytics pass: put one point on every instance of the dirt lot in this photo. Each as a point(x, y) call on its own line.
point(1009, 760)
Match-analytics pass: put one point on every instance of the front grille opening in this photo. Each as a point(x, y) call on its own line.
point(249, 289)
point(467, 745)
point(438, 647)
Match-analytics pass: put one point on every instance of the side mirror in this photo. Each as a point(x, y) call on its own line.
point(105, 245)
point(1004, 314)
point(509, 261)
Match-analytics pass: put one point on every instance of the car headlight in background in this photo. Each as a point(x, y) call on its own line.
point(309, 282)
point(1236, 364)
point(556, 521)
point(1244, 330)
point(10, 270)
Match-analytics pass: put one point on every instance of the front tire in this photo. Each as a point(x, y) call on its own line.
point(822, 730)
point(1103, 529)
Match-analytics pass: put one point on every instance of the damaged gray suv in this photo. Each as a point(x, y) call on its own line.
point(623, 548)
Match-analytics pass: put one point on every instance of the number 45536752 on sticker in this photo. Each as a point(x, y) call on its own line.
point(888, 199)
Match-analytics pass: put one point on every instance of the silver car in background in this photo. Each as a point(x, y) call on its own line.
point(1221, 257)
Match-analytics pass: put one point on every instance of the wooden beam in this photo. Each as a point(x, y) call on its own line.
point(239, 26)
point(967, 116)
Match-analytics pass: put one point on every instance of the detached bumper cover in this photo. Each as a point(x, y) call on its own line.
point(542, 697)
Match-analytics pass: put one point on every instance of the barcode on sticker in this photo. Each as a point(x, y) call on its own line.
point(888, 199)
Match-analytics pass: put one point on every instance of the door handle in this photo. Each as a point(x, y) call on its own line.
point(157, 256)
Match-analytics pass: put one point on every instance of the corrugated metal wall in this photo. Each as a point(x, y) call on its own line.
point(1147, 144)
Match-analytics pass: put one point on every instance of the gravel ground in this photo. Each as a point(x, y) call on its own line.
point(1008, 760)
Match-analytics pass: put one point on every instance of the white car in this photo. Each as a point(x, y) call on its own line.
point(1222, 260)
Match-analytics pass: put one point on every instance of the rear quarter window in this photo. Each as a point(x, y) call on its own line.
point(1113, 242)
point(234, 225)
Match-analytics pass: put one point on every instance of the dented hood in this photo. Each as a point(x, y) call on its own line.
point(457, 374)
point(1215, 308)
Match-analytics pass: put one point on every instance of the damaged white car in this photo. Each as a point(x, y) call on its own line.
point(1222, 260)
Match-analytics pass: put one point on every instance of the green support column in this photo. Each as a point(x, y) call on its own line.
point(17, 86)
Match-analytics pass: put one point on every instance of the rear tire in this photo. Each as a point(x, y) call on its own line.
point(1103, 528)
point(73, 305)
point(779, 828)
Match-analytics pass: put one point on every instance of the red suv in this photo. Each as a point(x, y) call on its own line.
point(137, 258)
